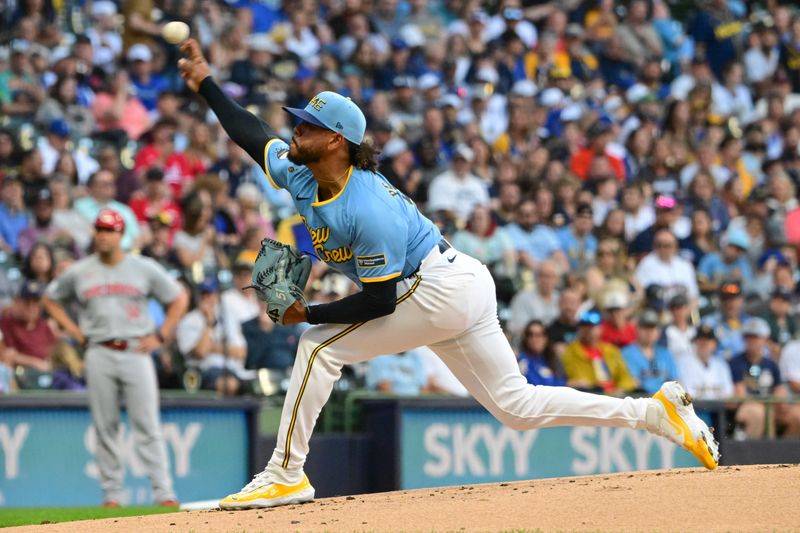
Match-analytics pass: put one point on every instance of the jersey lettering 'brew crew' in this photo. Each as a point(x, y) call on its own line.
point(349, 230)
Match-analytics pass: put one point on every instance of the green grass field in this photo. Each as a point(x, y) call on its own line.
point(23, 516)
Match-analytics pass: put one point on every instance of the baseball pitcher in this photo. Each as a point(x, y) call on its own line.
point(415, 290)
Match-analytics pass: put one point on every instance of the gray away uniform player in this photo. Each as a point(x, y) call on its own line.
point(112, 289)
point(415, 290)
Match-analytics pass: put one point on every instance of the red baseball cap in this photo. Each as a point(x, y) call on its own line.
point(109, 219)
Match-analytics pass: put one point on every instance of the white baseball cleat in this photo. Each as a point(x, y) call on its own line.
point(671, 415)
point(263, 492)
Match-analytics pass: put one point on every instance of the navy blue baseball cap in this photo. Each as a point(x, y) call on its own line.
point(334, 112)
point(208, 285)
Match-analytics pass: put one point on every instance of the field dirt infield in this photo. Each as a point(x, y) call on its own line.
point(735, 498)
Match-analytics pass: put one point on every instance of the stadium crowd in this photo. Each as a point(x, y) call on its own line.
point(629, 172)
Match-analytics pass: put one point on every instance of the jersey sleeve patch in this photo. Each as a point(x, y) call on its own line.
point(371, 261)
point(276, 163)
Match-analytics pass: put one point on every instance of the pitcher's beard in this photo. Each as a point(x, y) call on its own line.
point(303, 156)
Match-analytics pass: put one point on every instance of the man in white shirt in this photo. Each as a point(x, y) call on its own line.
point(680, 332)
point(457, 191)
point(54, 145)
point(664, 267)
point(639, 215)
point(241, 305)
point(761, 60)
point(703, 374)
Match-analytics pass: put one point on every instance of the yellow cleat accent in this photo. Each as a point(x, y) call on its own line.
point(261, 493)
point(682, 426)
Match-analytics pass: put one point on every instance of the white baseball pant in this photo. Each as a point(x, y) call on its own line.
point(449, 306)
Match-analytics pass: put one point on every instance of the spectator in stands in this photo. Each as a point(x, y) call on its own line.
point(701, 240)
point(730, 263)
point(727, 321)
point(402, 373)
point(537, 303)
point(44, 231)
point(598, 137)
point(704, 374)
point(235, 167)
point(155, 199)
point(457, 191)
point(650, 363)
point(755, 376)
point(782, 320)
point(594, 365)
point(102, 189)
point(679, 333)
point(148, 83)
point(240, 304)
point(65, 217)
point(195, 242)
point(564, 328)
point(39, 264)
point(664, 267)
point(63, 103)
point(13, 217)
point(55, 145)
point(248, 212)
point(637, 35)
point(610, 271)
point(639, 214)
point(666, 216)
point(29, 336)
point(577, 241)
point(269, 345)
point(537, 360)
point(213, 343)
point(159, 246)
point(491, 245)
point(617, 328)
point(161, 152)
point(717, 31)
point(534, 241)
point(117, 107)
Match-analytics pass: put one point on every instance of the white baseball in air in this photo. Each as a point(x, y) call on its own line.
point(175, 32)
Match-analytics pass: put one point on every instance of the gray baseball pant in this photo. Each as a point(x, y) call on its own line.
point(113, 377)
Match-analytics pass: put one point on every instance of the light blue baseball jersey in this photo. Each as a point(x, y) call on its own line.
point(370, 231)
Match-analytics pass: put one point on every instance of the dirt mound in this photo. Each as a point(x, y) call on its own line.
point(736, 498)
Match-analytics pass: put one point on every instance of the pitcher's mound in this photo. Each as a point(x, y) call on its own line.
point(735, 498)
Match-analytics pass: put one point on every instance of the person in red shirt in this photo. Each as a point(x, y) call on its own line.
point(617, 327)
point(29, 337)
point(160, 153)
point(598, 137)
point(155, 200)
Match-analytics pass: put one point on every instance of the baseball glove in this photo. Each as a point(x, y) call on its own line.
point(279, 277)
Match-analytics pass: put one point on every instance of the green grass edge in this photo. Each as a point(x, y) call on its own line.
point(25, 516)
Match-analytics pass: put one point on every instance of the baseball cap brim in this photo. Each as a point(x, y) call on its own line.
point(305, 116)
